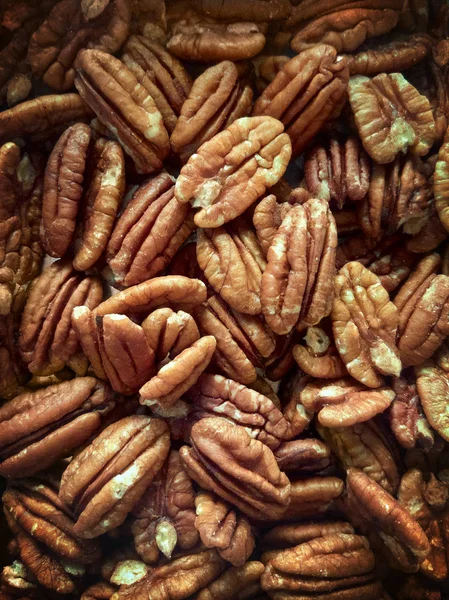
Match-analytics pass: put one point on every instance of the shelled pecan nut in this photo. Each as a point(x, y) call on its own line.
point(244, 580)
point(431, 381)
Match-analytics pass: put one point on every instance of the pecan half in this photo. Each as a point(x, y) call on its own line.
point(224, 459)
point(104, 482)
point(432, 381)
point(124, 106)
point(47, 340)
point(148, 233)
point(267, 218)
point(243, 580)
point(297, 284)
point(293, 534)
point(233, 169)
point(308, 91)
point(391, 116)
point(312, 497)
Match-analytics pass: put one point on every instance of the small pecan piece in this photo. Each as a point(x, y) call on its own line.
point(222, 528)
point(47, 340)
point(319, 357)
point(233, 263)
point(365, 323)
point(233, 169)
point(148, 233)
point(297, 284)
point(407, 421)
point(224, 459)
point(391, 116)
point(38, 428)
point(104, 481)
point(124, 106)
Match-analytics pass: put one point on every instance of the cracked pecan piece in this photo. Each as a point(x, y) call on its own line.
point(432, 381)
point(233, 263)
point(164, 518)
point(233, 169)
point(365, 322)
point(148, 233)
point(308, 91)
point(167, 80)
point(225, 460)
point(124, 106)
point(221, 527)
point(243, 341)
point(391, 116)
point(319, 357)
point(38, 428)
point(104, 481)
point(243, 582)
point(216, 100)
point(338, 171)
point(297, 285)
point(53, 48)
point(44, 532)
point(47, 340)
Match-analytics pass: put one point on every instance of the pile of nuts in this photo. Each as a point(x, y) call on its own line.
point(224, 299)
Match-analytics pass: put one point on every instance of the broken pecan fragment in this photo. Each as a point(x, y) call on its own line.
point(53, 48)
point(148, 233)
point(103, 483)
point(165, 515)
point(308, 91)
point(319, 357)
point(38, 428)
point(365, 323)
point(233, 169)
point(391, 116)
point(297, 285)
point(47, 340)
point(224, 459)
point(124, 106)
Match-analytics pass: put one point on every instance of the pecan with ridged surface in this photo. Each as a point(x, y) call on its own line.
point(319, 357)
point(441, 183)
point(266, 10)
point(243, 582)
point(432, 381)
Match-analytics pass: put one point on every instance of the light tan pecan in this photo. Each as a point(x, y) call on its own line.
point(308, 91)
point(103, 483)
point(338, 171)
point(221, 527)
point(47, 340)
point(243, 581)
point(166, 78)
point(243, 341)
point(148, 233)
point(124, 106)
point(224, 459)
point(53, 49)
point(164, 518)
point(391, 116)
point(38, 428)
point(233, 263)
point(432, 381)
point(365, 322)
point(216, 100)
point(233, 169)
point(441, 183)
point(297, 285)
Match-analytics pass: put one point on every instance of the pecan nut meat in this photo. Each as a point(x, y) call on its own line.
point(243, 580)
point(441, 184)
point(104, 482)
point(267, 10)
point(432, 380)
point(233, 169)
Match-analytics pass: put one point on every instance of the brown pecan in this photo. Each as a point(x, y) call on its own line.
point(98, 591)
point(222, 528)
point(165, 515)
point(308, 91)
point(289, 393)
point(293, 534)
point(243, 341)
point(17, 579)
point(407, 421)
point(319, 357)
point(338, 171)
point(41, 118)
point(391, 116)
point(303, 455)
point(202, 39)
point(267, 10)
point(414, 587)
point(13, 370)
point(364, 446)
point(267, 218)
point(180, 578)
point(297, 284)
point(312, 496)
point(430, 235)
point(166, 80)
point(124, 106)
point(148, 233)
point(38, 428)
point(233, 169)
point(393, 267)
point(233, 263)
point(243, 582)
point(441, 183)
point(224, 459)
point(53, 48)
point(44, 532)
point(432, 380)
point(365, 323)
point(47, 340)
point(216, 100)
point(169, 333)
point(105, 481)
point(267, 69)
